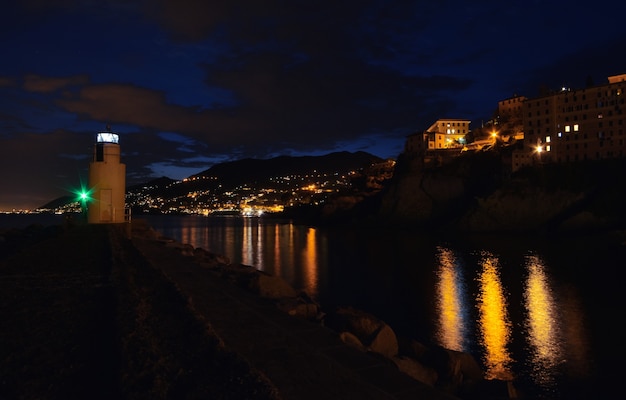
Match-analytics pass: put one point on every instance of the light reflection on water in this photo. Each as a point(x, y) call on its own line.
point(276, 248)
point(309, 260)
point(493, 322)
point(542, 324)
point(453, 323)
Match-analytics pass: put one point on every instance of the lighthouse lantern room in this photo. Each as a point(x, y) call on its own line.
point(107, 181)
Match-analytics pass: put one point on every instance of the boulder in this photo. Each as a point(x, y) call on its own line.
point(372, 332)
point(239, 274)
point(209, 259)
point(413, 348)
point(183, 248)
point(384, 342)
point(468, 366)
point(416, 370)
point(270, 286)
point(456, 370)
point(360, 323)
point(301, 307)
point(352, 341)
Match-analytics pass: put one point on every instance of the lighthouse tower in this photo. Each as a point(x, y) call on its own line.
point(107, 181)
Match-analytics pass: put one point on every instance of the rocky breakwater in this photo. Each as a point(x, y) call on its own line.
point(452, 372)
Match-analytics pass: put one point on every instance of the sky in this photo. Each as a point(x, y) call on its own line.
point(190, 83)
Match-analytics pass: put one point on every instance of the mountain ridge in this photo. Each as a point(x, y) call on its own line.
point(247, 171)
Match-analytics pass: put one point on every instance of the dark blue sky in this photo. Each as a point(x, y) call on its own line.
point(188, 83)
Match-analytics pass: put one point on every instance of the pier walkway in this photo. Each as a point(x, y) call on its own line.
point(97, 313)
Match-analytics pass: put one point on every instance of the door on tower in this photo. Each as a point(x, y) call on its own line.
point(106, 205)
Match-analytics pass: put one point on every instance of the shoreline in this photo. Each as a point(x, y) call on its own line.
point(451, 372)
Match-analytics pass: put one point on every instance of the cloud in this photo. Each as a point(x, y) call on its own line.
point(149, 110)
point(6, 81)
point(41, 84)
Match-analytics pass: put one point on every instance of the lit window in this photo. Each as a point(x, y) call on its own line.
point(559, 134)
point(576, 128)
point(105, 137)
point(566, 128)
point(548, 148)
point(547, 139)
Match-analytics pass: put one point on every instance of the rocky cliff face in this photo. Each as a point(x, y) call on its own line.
point(475, 194)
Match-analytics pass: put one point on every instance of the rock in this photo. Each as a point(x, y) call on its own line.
point(416, 370)
point(352, 341)
point(468, 366)
point(456, 370)
point(385, 342)
point(413, 348)
point(209, 259)
point(360, 323)
point(301, 307)
point(185, 249)
point(374, 333)
point(270, 286)
point(239, 274)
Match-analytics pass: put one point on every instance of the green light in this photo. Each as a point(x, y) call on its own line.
point(83, 195)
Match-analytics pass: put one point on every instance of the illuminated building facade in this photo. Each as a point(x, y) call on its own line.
point(107, 182)
point(446, 134)
point(574, 125)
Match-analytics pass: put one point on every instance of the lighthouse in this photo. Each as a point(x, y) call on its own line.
point(107, 181)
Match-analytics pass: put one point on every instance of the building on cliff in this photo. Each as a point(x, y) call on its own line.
point(443, 140)
point(446, 134)
point(574, 125)
point(558, 127)
point(510, 121)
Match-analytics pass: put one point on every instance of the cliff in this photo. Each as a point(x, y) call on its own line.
point(476, 193)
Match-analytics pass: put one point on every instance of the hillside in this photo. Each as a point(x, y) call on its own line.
point(251, 174)
point(251, 170)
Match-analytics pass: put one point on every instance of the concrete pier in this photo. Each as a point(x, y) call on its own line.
point(94, 313)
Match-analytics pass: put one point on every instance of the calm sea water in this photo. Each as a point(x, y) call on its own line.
point(545, 312)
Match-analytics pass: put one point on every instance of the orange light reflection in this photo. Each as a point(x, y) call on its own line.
point(542, 324)
point(494, 324)
point(310, 262)
point(452, 328)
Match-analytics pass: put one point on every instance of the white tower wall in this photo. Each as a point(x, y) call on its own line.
point(107, 182)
